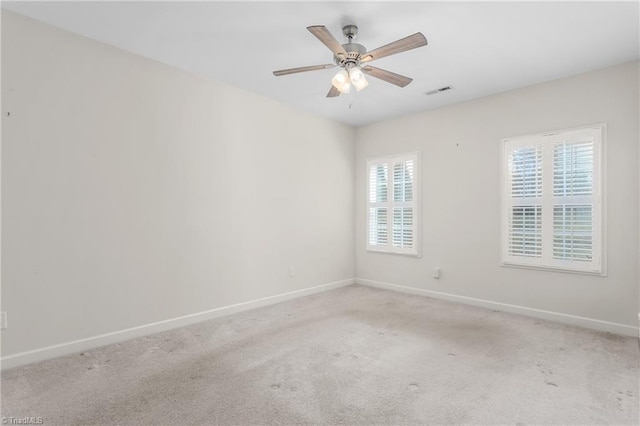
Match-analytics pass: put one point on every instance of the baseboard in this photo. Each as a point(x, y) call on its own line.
point(62, 349)
point(591, 323)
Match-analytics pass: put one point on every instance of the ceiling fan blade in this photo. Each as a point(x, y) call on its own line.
point(323, 34)
point(388, 76)
point(333, 92)
point(402, 45)
point(303, 69)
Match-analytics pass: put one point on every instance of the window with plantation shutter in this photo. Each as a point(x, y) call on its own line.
point(552, 200)
point(392, 205)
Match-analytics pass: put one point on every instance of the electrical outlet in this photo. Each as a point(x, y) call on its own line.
point(292, 272)
point(436, 273)
point(3, 320)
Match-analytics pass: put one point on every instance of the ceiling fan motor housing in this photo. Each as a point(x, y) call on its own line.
point(354, 50)
point(352, 58)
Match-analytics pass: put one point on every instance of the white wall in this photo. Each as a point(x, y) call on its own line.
point(133, 192)
point(461, 204)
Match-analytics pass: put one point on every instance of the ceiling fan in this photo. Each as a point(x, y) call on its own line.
point(353, 58)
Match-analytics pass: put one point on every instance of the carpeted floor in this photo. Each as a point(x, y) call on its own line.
point(355, 355)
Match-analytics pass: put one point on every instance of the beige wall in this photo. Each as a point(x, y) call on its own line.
point(133, 192)
point(460, 147)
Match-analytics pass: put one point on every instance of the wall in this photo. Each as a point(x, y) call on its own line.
point(461, 200)
point(134, 192)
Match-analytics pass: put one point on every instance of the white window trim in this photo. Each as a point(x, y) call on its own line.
point(389, 249)
point(600, 208)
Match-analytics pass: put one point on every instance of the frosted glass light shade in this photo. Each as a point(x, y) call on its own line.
point(357, 78)
point(341, 81)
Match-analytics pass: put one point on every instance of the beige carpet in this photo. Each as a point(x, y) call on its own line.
point(355, 355)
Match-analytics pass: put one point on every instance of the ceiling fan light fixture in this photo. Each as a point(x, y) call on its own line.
point(341, 81)
point(350, 56)
point(357, 78)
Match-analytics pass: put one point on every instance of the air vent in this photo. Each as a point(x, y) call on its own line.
point(442, 89)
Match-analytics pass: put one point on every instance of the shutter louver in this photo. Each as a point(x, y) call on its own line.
point(403, 194)
point(573, 169)
point(525, 231)
point(573, 233)
point(378, 194)
point(572, 186)
point(403, 181)
point(525, 190)
point(378, 226)
point(525, 166)
point(403, 227)
point(378, 183)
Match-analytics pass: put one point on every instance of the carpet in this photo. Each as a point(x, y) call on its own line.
point(350, 356)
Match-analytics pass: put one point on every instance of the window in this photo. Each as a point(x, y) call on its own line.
point(552, 200)
point(392, 204)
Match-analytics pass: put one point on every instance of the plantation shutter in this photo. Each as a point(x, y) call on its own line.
point(573, 202)
point(525, 199)
point(403, 204)
point(392, 204)
point(552, 206)
point(378, 205)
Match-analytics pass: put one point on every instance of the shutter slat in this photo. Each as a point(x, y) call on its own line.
point(378, 234)
point(573, 168)
point(573, 232)
point(525, 231)
point(378, 183)
point(525, 177)
point(403, 227)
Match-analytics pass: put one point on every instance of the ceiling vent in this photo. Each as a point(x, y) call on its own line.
point(442, 89)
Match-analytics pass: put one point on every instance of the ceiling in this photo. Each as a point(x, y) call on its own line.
point(478, 48)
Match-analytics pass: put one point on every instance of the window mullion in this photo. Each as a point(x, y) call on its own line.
point(391, 204)
point(547, 202)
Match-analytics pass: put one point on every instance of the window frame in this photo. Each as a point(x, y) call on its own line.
point(547, 141)
point(390, 160)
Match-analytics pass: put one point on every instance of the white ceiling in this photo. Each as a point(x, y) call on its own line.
point(479, 48)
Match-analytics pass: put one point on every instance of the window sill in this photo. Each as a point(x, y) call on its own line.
point(371, 250)
point(554, 269)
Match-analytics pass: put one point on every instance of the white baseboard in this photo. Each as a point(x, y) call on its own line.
point(591, 323)
point(62, 349)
